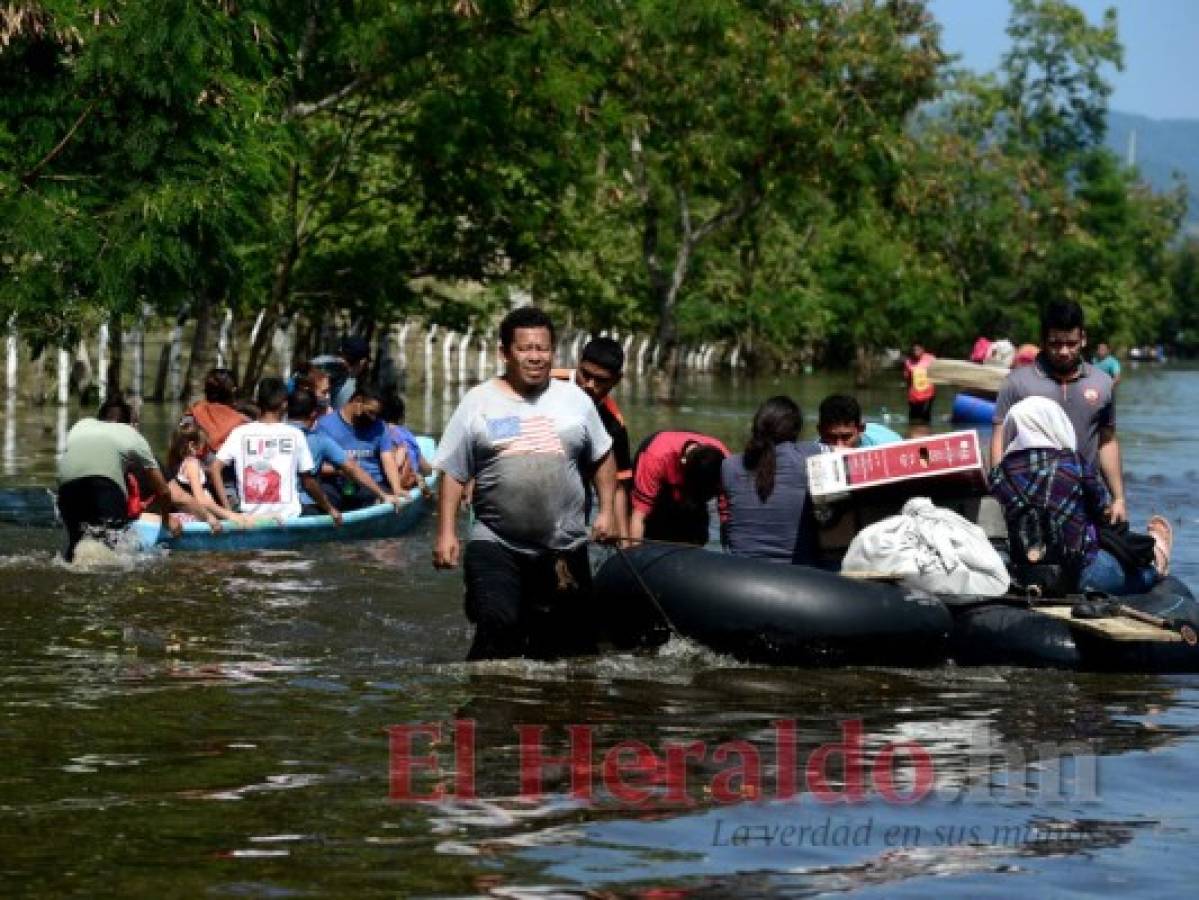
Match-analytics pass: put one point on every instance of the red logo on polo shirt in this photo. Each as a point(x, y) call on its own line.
point(1091, 395)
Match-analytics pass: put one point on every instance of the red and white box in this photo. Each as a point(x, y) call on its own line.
point(956, 456)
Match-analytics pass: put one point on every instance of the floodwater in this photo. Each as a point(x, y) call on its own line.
point(221, 725)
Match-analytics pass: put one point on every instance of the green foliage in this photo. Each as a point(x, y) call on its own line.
point(797, 176)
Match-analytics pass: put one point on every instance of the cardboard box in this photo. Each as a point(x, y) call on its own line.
point(917, 466)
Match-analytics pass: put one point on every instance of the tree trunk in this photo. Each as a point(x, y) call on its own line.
point(864, 368)
point(203, 352)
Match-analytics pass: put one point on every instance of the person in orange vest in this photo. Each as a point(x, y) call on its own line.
point(921, 391)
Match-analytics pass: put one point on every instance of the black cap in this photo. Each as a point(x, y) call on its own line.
point(355, 348)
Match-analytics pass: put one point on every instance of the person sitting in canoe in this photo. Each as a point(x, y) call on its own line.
point(215, 414)
point(1056, 506)
point(346, 370)
point(675, 474)
point(770, 512)
point(315, 379)
point(356, 427)
point(93, 473)
point(189, 483)
point(413, 466)
point(328, 457)
point(268, 456)
point(840, 426)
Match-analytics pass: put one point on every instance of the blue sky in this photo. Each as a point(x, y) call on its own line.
point(1161, 48)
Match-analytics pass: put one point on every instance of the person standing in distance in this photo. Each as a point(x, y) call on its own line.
point(921, 390)
point(523, 438)
point(1060, 373)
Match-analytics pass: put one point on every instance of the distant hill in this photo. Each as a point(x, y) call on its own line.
point(1164, 146)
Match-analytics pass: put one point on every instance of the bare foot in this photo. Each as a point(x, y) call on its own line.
point(1162, 533)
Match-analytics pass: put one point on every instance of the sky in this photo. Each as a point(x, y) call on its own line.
point(1160, 38)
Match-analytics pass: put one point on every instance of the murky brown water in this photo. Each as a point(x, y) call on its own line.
point(219, 725)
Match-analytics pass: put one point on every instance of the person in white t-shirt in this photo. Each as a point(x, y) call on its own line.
point(267, 456)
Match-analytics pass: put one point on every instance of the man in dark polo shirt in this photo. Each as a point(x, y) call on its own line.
point(601, 365)
point(1085, 392)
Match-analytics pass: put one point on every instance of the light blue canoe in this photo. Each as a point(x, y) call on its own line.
point(371, 523)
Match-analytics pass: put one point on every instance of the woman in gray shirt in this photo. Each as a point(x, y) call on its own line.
point(767, 487)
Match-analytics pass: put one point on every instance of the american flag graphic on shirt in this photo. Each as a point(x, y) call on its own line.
point(516, 436)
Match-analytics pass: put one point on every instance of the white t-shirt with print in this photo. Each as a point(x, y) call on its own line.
point(268, 458)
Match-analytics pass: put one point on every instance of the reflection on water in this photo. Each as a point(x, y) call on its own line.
point(219, 724)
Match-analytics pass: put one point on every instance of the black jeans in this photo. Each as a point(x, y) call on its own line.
point(921, 412)
point(91, 505)
point(675, 522)
point(539, 606)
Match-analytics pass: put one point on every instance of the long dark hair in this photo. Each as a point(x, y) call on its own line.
point(777, 420)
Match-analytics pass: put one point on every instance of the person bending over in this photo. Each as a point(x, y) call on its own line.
point(675, 474)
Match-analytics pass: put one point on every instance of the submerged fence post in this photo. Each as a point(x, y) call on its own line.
point(402, 363)
point(222, 341)
point(64, 377)
point(175, 365)
point(430, 337)
point(10, 400)
point(10, 364)
point(447, 347)
point(102, 362)
point(485, 341)
point(463, 354)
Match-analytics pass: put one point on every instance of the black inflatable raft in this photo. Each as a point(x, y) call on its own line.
point(1006, 632)
point(795, 615)
point(762, 612)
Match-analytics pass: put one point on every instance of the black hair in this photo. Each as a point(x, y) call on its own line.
point(604, 352)
point(839, 408)
point(1062, 315)
point(115, 409)
point(524, 317)
point(394, 408)
point(777, 420)
point(272, 394)
point(220, 386)
point(301, 404)
point(364, 390)
point(701, 473)
point(250, 410)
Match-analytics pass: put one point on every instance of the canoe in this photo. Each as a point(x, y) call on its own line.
point(1004, 632)
point(380, 521)
point(764, 612)
point(970, 409)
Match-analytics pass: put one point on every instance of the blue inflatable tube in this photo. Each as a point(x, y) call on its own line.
point(969, 409)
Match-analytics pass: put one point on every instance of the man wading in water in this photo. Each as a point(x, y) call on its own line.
point(523, 438)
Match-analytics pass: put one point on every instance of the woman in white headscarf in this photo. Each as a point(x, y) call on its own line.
point(1054, 502)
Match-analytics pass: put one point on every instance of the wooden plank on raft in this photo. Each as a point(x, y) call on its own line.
point(1116, 628)
point(964, 374)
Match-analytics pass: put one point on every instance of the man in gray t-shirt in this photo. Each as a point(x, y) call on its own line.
point(1060, 373)
point(522, 439)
